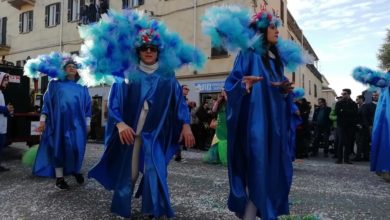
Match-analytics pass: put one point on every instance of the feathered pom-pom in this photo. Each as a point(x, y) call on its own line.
point(371, 77)
point(110, 47)
point(29, 156)
point(228, 26)
point(298, 93)
point(292, 54)
point(51, 65)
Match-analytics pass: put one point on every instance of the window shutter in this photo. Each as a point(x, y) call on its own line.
point(21, 23)
point(4, 31)
point(58, 13)
point(47, 16)
point(81, 6)
point(70, 8)
point(140, 2)
point(30, 20)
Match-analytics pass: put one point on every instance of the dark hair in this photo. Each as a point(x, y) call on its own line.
point(348, 91)
point(182, 86)
point(361, 97)
point(77, 76)
point(322, 99)
point(69, 62)
point(265, 57)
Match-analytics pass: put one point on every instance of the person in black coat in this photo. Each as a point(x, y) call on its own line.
point(346, 112)
point(303, 130)
point(322, 124)
point(365, 119)
point(92, 11)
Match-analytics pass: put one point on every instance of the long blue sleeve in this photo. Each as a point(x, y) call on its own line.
point(259, 139)
point(4, 111)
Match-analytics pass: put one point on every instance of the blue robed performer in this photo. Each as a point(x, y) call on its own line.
point(147, 113)
point(65, 119)
point(295, 121)
point(380, 137)
point(259, 110)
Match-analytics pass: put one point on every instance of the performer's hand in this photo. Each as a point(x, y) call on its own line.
point(10, 109)
point(88, 129)
point(286, 86)
point(250, 80)
point(186, 134)
point(41, 127)
point(126, 133)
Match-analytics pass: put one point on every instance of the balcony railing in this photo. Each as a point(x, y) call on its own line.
point(19, 3)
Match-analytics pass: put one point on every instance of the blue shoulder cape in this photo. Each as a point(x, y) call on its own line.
point(380, 143)
point(259, 138)
point(66, 105)
point(167, 114)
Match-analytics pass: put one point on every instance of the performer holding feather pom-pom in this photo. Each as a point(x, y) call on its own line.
point(148, 115)
point(380, 137)
point(65, 118)
point(259, 109)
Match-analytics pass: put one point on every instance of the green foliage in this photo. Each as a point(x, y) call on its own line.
point(384, 53)
point(295, 217)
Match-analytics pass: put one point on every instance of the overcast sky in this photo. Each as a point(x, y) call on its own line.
point(344, 34)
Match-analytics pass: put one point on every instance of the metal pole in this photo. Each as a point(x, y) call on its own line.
point(195, 23)
point(62, 23)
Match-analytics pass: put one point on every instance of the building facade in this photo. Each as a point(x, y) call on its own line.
point(32, 27)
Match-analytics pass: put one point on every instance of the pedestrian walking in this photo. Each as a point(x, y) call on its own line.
point(5, 112)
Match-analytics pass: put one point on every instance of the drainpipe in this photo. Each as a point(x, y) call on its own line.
point(195, 22)
point(62, 23)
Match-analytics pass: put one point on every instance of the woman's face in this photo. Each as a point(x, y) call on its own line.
point(5, 82)
point(71, 69)
point(272, 34)
point(148, 54)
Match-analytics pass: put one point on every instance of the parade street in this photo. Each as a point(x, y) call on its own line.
point(198, 191)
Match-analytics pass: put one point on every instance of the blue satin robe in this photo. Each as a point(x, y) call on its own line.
point(296, 120)
point(167, 114)
point(66, 105)
point(380, 143)
point(259, 138)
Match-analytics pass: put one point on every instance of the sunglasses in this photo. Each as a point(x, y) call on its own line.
point(145, 48)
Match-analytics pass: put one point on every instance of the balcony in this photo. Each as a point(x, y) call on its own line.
point(5, 44)
point(19, 3)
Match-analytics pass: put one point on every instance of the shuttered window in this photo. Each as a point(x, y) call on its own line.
point(74, 9)
point(53, 15)
point(26, 22)
point(131, 3)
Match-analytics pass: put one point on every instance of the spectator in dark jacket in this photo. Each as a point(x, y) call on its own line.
point(303, 131)
point(322, 125)
point(365, 119)
point(346, 112)
point(92, 11)
point(103, 7)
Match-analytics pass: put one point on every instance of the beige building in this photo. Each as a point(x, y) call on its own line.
point(32, 27)
point(328, 93)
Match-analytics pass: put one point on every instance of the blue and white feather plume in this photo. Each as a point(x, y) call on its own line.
point(371, 77)
point(110, 46)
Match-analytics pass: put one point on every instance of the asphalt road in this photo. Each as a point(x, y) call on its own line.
point(198, 191)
